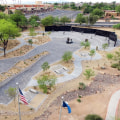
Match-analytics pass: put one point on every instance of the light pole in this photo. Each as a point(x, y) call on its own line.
point(17, 84)
point(61, 107)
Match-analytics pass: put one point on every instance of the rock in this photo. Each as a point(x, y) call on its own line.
point(103, 67)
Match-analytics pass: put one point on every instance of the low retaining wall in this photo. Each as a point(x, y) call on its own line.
point(111, 35)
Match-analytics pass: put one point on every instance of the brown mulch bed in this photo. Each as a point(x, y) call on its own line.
point(11, 44)
point(19, 52)
point(100, 83)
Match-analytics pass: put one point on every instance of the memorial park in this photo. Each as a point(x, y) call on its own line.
point(50, 62)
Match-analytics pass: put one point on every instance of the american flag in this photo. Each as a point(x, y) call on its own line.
point(22, 97)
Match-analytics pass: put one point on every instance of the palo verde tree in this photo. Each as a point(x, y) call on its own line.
point(80, 19)
point(64, 19)
point(34, 17)
point(93, 19)
point(88, 73)
point(45, 66)
point(92, 53)
point(46, 82)
point(98, 12)
point(11, 92)
point(85, 44)
point(48, 21)
point(19, 18)
point(30, 42)
point(67, 56)
point(105, 46)
point(7, 30)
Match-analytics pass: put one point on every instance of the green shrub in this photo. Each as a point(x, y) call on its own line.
point(80, 96)
point(67, 56)
point(118, 67)
point(115, 65)
point(45, 66)
point(31, 108)
point(46, 82)
point(93, 117)
point(49, 32)
point(109, 56)
point(88, 73)
point(85, 44)
point(82, 86)
point(78, 100)
point(105, 46)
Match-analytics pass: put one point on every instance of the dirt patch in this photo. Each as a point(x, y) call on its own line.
point(11, 44)
point(19, 52)
point(20, 66)
point(39, 40)
point(101, 86)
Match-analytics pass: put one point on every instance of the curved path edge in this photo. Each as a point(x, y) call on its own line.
point(112, 106)
point(77, 70)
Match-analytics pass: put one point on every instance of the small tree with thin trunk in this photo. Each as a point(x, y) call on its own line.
point(45, 66)
point(7, 30)
point(105, 46)
point(46, 82)
point(12, 93)
point(89, 73)
point(67, 56)
point(92, 53)
point(85, 44)
point(30, 42)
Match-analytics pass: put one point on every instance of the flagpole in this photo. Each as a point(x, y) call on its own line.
point(61, 107)
point(18, 101)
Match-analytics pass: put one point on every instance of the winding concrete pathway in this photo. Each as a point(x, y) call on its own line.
point(56, 47)
point(77, 70)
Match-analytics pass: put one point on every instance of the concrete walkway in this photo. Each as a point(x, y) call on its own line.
point(56, 47)
point(77, 70)
point(112, 106)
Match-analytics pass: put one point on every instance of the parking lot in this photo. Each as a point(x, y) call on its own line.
point(58, 13)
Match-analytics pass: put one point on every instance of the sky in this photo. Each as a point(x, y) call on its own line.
point(33, 1)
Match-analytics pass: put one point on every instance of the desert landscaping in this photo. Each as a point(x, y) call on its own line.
point(102, 84)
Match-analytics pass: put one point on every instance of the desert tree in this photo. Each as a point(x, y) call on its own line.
point(105, 46)
point(30, 42)
point(67, 56)
point(46, 82)
point(85, 44)
point(45, 66)
point(92, 53)
point(88, 73)
point(7, 30)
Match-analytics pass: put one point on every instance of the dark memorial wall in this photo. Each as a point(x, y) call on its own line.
point(111, 35)
point(58, 28)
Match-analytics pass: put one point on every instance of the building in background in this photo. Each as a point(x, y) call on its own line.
point(29, 8)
